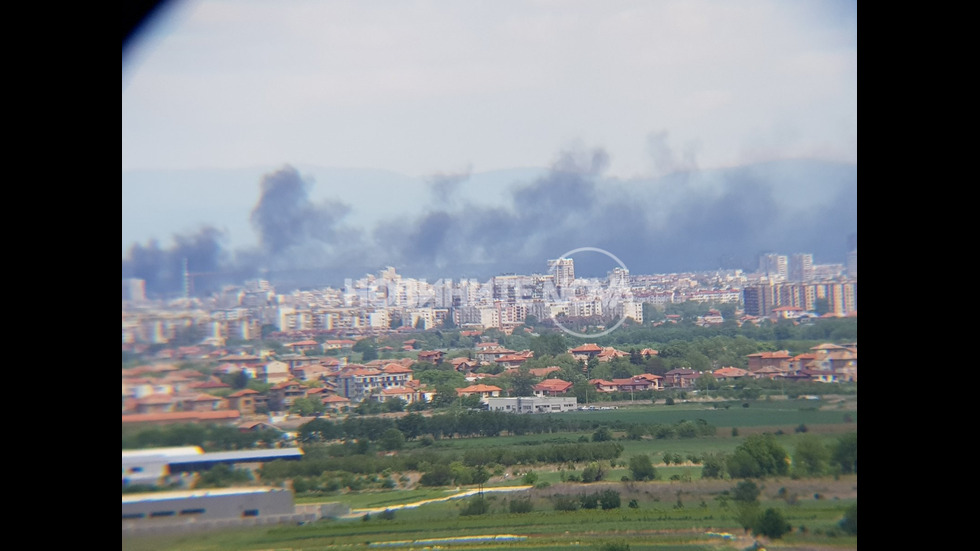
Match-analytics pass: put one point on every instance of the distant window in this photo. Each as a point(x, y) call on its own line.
point(193, 511)
point(136, 469)
point(130, 516)
point(162, 514)
point(250, 513)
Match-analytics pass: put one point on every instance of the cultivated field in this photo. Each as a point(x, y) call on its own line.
point(680, 510)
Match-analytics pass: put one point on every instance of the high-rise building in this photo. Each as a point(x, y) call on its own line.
point(801, 267)
point(852, 264)
point(774, 266)
point(133, 289)
point(757, 299)
point(564, 271)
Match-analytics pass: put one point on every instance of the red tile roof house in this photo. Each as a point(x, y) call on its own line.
point(511, 360)
point(336, 403)
point(431, 356)
point(490, 355)
point(587, 350)
point(203, 402)
point(552, 387)
point(243, 401)
point(771, 373)
point(282, 395)
point(609, 353)
point(729, 374)
point(656, 381)
point(543, 372)
point(769, 359)
point(681, 378)
point(622, 385)
point(464, 365)
point(302, 346)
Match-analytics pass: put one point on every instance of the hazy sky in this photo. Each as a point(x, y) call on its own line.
point(443, 86)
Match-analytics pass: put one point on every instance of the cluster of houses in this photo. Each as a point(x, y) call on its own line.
point(167, 393)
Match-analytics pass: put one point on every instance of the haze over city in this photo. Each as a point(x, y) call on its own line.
point(470, 139)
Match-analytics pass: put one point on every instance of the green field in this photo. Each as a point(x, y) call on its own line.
point(679, 510)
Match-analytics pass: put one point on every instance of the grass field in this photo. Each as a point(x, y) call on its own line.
point(679, 511)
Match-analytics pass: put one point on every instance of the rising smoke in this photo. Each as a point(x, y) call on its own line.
point(682, 221)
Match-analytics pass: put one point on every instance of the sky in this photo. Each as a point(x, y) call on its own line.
point(440, 91)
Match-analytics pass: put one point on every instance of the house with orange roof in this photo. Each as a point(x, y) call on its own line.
point(207, 386)
point(203, 402)
point(656, 381)
point(303, 346)
point(552, 387)
point(680, 378)
point(770, 372)
point(431, 356)
point(511, 360)
point(155, 403)
point(608, 353)
point(312, 372)
point(336, 403)
point(585, 351)
point(489, 355)
point(464, 365)
point(542, 372)
point(281, 396)
point(243, 401)
point(729, 374)
point(759, 360)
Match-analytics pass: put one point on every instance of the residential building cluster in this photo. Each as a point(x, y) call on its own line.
point(387, 301)
point(166, 393)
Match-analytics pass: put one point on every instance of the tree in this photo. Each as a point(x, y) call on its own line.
point(844, 454)
point(641, 468)
point(771, 524)
point(602, 434)
point(522, 384)
point(849, 524)
point(392, 439)
point(811, 456)
point(760, 455)
point(549, 344)
point(746, 498)
point(393, 405)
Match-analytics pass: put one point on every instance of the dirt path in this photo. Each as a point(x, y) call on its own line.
point(354, 513)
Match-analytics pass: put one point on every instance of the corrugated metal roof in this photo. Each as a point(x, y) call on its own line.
point(161, 496)
point(243, 456)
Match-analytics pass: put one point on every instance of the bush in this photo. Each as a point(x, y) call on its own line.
point(589, 501)
point(609, 499)
point(387, 514)
point(520, 506)
point(772, 524)
point(475, 506)
point(564, 503)
point(615, 546)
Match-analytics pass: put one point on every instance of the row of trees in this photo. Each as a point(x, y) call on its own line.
point(760, 456)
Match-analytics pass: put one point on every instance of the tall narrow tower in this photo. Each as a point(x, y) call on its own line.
point(187, 281)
